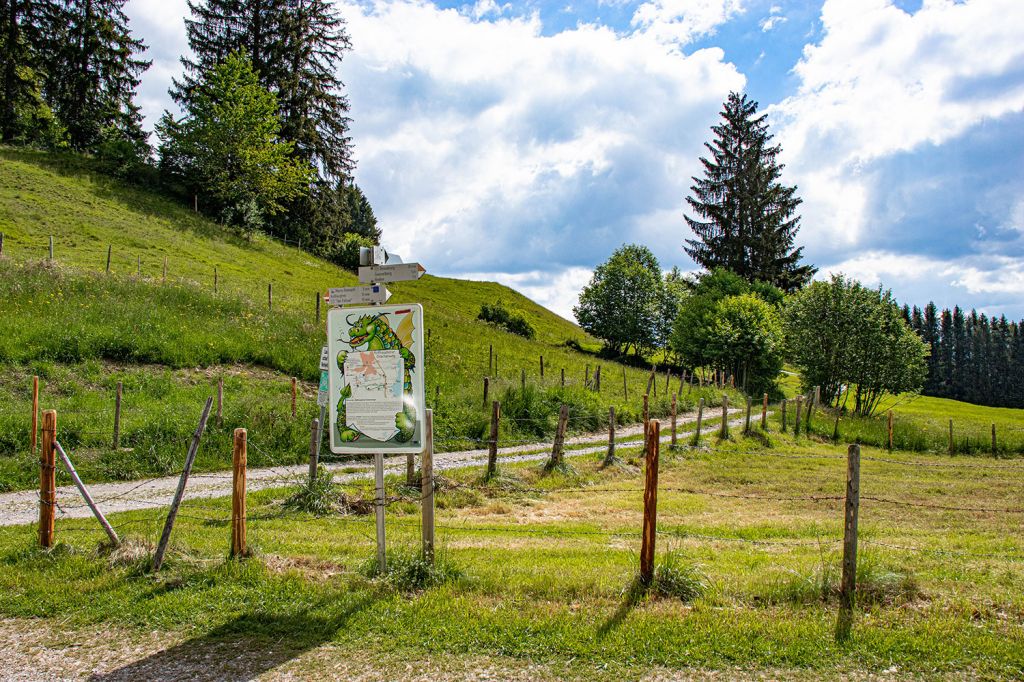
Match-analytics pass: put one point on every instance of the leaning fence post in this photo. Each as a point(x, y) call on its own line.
point(85, 494)
point(675, 398)
point(117, 417)
point(724, 431)
point(650, 528)
point(427, 487)
point(47, 479)
point(33, 437)
point(314, 450)
point(238, 461)
point(849, 581)
point(609, 458)
point(556, 448)
point(190, 457)
point(492, 443)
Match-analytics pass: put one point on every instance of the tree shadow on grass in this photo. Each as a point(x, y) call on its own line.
point(635, 593)
point(245, 647)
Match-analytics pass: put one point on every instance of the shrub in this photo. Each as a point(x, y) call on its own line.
point(512, 320)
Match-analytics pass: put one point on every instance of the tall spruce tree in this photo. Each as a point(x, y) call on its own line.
point(745, 219)
point(92, 70)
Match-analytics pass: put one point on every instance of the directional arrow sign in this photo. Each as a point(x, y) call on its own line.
point(325, 361)
point(375, 294)
point(401, 272)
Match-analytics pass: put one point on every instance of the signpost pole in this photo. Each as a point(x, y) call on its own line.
point(378, 507)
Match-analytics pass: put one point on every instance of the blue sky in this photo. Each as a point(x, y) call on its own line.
point(524, 141)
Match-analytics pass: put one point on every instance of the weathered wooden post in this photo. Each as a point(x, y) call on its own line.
point(542, 367)
point(764, 413)
point(51, 247)
point(220, 401)
point(487, 386)
point(270, 295)
point(650, 527)
point(522, 379)
point(700, 418)
point(164, 277)
point(239, 457)
point(724, 431)
point(563, 377)
point(314, 450)
point(746, 423)
point(810, 412)
point(848, 586)
point(427, 487)
point(784, 415)
point(675, 398)
point(138, 270)
point(117, 417)
point(557, 446)
point(586, 378)
point(110, 249)
point(492, 443)
point(951, 448)
point(609, 457)
point(111, 535)
point(597, 379)
point(994, 440)
point(295, 391)
point(47, 479)
point(490, 359)
point(647, 417)
point(890, 429)
point(625, 391)
point(319, 300)
point(35, 415)
point(796, 424)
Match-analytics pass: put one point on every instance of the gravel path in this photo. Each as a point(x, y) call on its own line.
point(23, 506)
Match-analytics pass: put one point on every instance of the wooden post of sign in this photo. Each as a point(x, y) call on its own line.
point(110, 249)
point(270, 295)
point(556, 448)
point(35, 414)
point(796, 423)
point(609, 457)
point(764, 413)
point(848, 586)
point(410, 470)
point(646, 414)
point(746, 423)
point(239, 456)
point(625, 392)
point(783, 415)
point(117, 417)
point(563, 377)
point(378, 509)
point(994, 440)
point(487, 387)
point(190, 457)
point(314, 450)
point(542, 367)
point(890, 429)
point(492, 443)
point(700, 418)
point(951, 437)
point(294, 394)
point(650, 528)
point(427, 487)
point(675, 399)
point(220, 401)
point(85, 494)
point(47, 480)
point(724, 430)
point(319, 300)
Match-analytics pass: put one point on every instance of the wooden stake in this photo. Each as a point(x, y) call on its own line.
point(542, 367)
point(764, 413)
point(110, 248)
point(625, 392)
point(294, 394)
point(890, 429)
point(650, 528)
point(51, 247)
point(784, 415)
point(427, 487)
point(35, 415)
point(647, 416)
point(47, 480)
point(220, 401)
point(490, 359)
point(138, 271)
point(993, 440)
point(85, 494)
point(556, 448)
point(723, 432)
point(700, 418)
point(586, 378)
point(1, 244)
point(495, 365)
point(117, 417)
point(314, 450)
point(668, 378)
point(563, 377)
point(848, 587)
point(675, 398)
point(270, 295)
point(239, 547)
point(609, 458)
point(487, 386)
point(597, 379)
point(746, 423)
point(522, 378)
point(796, 424)
point(810, 412)
point(319, 300)
point(165, 269)
point(190, 457)
point(492, 443)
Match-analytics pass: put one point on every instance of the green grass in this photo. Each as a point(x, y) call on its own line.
point(748, 574)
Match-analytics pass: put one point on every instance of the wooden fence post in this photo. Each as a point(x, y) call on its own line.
point(647, 416)
point(675, 398)
point(522, 379)
point(487, 386)
point(490, 359)
point(668, 378)
point(110, 248)
point(746, 423)
point(951, 449)
point(848, 586)
point(190, 457)
point(238, 462)
point(586, 378)
point(563, 377)
point(270, 295)
point(890, 430)
point(314, 450)
point(625, 392)
point(492, 443)
point(47, 479)
point(796, 424)
point(495, 365)
point(784, 402)
point(650, 384)
point(1, 244)
point(650, 528)
point(165, 269)
point(319, 300)
point(724, 431)
point(117, 417)
point(700, 418)
point(427, 487)
point(609, 458)
point(764, 413)
point(138, 270)
point(85, 494)
point(542, 367)
point(810, 412)
point(220, 401)
point(51, 247)
point(294, 394)
point(556, 448)
point(597, 379)
point(33, 437)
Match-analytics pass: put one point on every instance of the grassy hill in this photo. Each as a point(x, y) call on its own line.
point(169, 340)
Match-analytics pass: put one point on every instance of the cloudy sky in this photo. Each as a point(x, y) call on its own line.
point(524, 141)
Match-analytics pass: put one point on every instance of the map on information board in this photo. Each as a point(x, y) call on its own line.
point(376, 379)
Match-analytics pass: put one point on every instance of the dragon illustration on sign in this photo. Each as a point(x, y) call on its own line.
point(370, 333)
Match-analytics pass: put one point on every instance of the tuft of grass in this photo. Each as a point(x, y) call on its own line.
point(877, 584)
point(315, 497)
point(409, 571)
point(676, 577)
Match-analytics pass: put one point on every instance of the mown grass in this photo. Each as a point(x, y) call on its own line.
point(545, 576)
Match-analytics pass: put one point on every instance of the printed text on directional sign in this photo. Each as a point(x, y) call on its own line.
point(403, 272)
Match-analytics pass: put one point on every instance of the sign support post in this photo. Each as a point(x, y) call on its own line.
point(378, 508)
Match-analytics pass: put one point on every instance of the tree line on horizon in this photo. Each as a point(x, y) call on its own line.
point(263, 143)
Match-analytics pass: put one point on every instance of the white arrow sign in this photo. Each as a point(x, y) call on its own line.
point(325, 361)
point(402, 272)
point(376, 294)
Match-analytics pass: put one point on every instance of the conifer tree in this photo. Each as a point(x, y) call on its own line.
point(746, 218)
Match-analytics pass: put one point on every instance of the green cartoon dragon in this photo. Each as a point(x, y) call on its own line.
point(369, 333)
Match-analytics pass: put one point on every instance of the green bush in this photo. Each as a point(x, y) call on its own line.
point(511, 319)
